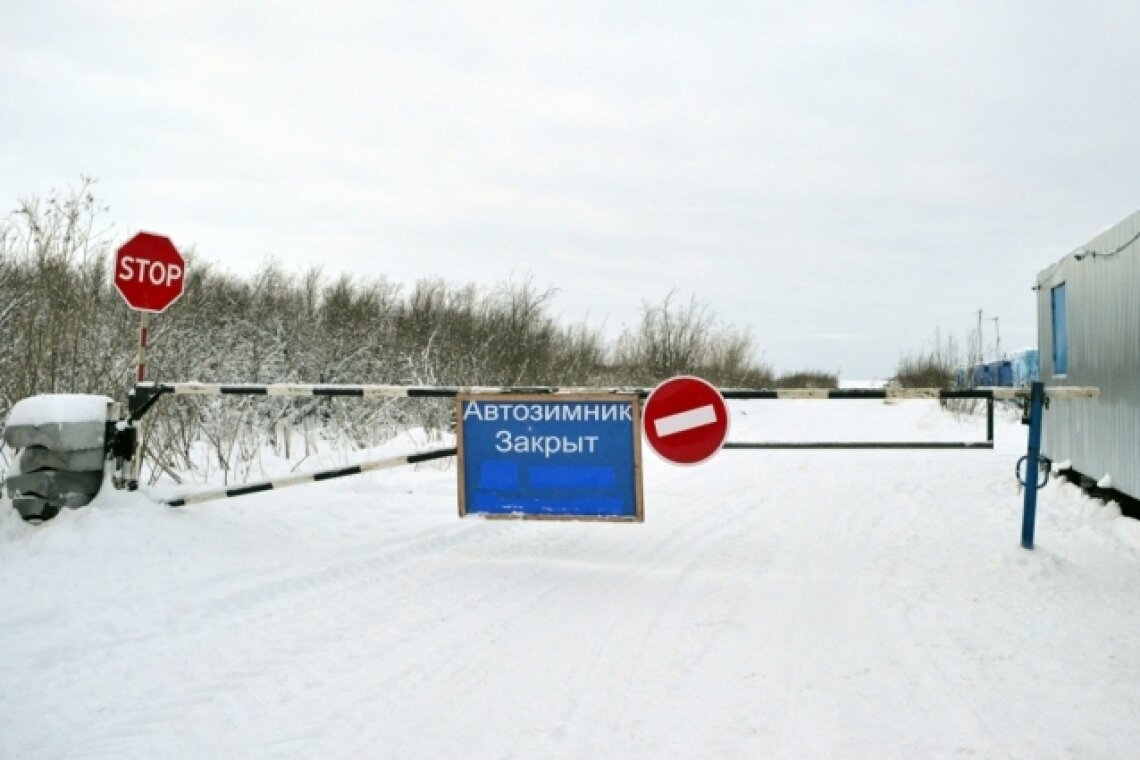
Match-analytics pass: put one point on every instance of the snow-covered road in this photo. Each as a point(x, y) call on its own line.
point(856, 604)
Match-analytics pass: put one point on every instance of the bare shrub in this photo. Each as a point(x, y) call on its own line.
point(808, 379)
point(932, 368)
point(676, 339)
point(60, 318)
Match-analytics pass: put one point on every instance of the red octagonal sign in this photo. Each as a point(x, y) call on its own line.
point(685, 420)
point(150, 273)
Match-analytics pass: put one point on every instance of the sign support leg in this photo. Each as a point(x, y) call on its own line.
point(144, 336)
point(140, 377)
point(1032, 458)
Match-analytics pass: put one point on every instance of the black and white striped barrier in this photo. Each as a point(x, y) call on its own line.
point(145, 394)
point(312, 477)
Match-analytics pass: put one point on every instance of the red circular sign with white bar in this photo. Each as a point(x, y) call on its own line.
point(685, 420)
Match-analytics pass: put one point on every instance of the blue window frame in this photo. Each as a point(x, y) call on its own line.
point(1060, 331)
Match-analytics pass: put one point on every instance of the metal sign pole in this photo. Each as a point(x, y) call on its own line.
point(140, 377)
point(1032, 458)
point(144, 336)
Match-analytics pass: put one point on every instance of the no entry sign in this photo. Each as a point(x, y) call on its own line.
point(150, 273)
point(685, 420)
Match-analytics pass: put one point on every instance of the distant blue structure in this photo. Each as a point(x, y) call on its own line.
point(1026, 367)
point(1018, 371)
point(982, 376)
point(1001, 373)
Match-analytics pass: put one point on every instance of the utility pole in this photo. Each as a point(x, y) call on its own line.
point(997, 339)
point(981, 351)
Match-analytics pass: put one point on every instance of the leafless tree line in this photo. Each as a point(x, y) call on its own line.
point(64, 329)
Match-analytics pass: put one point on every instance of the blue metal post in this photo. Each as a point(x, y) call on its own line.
point(1032, 457)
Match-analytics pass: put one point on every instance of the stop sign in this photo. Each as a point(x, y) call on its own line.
point(685, 420)
point(149, 272)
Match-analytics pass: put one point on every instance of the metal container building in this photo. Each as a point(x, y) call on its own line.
point(983, 376)
point(1001, 373)
point(1088, 333)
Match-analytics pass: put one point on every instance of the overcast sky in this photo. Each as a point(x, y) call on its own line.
point(841, 179)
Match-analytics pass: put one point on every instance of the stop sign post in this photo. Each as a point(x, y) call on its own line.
point(149, 273)
point(685, 420)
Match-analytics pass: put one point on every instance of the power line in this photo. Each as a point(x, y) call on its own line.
point(1086, 252)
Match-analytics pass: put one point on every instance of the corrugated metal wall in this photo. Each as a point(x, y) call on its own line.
point(1100, 436)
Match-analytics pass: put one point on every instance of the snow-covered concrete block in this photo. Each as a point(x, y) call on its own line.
point(59, 487)
point(41, 458)
point(61, 422)
point(34, 508)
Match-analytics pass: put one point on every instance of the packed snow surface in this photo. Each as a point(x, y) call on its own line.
point(775, 604)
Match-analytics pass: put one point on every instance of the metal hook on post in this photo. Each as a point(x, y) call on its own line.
point(123, 436)
point(122, 442)
point(1043, 469)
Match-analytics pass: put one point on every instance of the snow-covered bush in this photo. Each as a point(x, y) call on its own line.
point(64, 329)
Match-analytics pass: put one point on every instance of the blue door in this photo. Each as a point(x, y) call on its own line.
point(1060, 331)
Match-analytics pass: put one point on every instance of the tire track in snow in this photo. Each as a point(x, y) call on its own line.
point(270, 602)
point(835, 595)
point(574, 584)
point(621, 655)
point(581, 574)
point(212, 625)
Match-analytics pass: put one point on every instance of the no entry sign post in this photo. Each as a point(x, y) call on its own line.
point(685, 420)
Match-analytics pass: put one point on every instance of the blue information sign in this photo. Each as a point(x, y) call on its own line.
point(554, 456)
